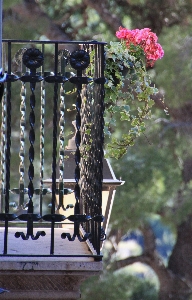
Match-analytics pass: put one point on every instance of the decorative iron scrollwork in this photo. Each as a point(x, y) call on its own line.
point(80, 80)
point(30, 218)
point(8, 217)
point(72, 238)
point(79, 59)
point(55, 78)
point(77, 219)
point(103, 235)
point(54, 218)
point(11, 78)
point(33, 58)
point(26, 237)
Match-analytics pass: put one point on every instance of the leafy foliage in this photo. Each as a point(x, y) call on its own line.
point(128, 95)
point(118, 286)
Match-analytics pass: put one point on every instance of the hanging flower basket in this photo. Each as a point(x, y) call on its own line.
point(128, 93)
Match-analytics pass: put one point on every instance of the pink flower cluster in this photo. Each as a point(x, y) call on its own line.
point(144, 38)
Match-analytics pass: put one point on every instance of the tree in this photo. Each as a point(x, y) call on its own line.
point(157, 170)
point(159, 175)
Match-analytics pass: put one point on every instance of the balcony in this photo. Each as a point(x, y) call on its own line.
point(54, 190)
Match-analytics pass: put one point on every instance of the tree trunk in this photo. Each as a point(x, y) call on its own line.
point(179, 284)
point(174, 289)
point(175, 279)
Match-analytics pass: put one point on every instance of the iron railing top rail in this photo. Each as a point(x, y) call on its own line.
point(91, 42)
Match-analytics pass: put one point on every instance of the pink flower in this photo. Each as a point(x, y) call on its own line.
point(145, 39)
point(122, 33)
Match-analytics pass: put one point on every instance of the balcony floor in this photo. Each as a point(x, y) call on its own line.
point(41, 246)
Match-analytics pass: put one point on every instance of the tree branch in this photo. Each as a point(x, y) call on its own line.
point(30, 12)
point(149, 257)
point(101, 7)
point(131, 260)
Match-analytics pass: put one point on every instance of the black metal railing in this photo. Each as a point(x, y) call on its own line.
point(44, 79)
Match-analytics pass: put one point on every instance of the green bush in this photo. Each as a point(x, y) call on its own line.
point(118, 286)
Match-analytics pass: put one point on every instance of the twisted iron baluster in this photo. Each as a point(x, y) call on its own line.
point(54, 153)
point(22, 144)
point(33, 59)
point(77, 154)
point(31, 149)
point(61, 147)
point(8, 150)
point(63, 56)
point(87, 159)
point(3, 139)
point(42, 136)
point(79, 60)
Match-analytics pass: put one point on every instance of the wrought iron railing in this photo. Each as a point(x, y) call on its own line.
point(34, 129)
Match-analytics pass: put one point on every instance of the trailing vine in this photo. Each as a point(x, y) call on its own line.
point(128, 96)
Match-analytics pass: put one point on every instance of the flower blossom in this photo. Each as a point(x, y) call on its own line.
point(144, 38)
